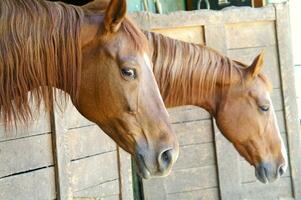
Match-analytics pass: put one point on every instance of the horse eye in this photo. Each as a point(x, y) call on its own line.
point(264, 108)
point(128, 73)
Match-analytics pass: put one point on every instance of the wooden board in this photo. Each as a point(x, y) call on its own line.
point(38, 126)
point(96, 176)
point(87, 141)
point(250, 35)
point(35, 185)
point(192, 34)
point(26, 154)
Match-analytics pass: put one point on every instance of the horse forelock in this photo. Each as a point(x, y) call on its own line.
point(136, 35)
point(40, 46)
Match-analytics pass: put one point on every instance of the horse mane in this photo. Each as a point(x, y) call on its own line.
point(40, 48)
point(183, 69)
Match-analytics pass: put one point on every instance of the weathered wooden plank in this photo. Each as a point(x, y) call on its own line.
point(289, 94)
point(278, 190)
point(183, 115)
point(95, 170)
point(39, 125)
point(88, 140)
point(181, 181)
point(205, 194)
point(195, 132)
point(150, 21)
point(61, 154)
point(25, 154)
point(101, 190)
point(193, 156)
point(276, 97)
point(215, 37)
point(72, 118)
point(155, 189)
point(113, 197)
point(247, 14)
point(191, 179)
point(227, 165)
point(271, 64)
point(253, 34)
point(125, 174)
point(34, 185)
point(281, 121)
point(194, 34)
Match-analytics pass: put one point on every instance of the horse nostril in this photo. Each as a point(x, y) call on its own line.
point(281, 170)
point(165, 159)
point(165, 156)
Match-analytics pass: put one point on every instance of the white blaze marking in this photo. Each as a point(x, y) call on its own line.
point(147, 60)
point(283, 150)
point(149, 65)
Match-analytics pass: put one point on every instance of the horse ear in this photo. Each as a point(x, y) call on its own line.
point(114, 16)
point(256, 66)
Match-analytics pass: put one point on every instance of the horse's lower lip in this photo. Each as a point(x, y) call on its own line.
point(142, 169)
point(262, 179)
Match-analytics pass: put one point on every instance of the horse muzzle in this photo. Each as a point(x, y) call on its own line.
point(268, 172)
point(155, 164)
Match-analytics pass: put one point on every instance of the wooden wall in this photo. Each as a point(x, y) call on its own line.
point(64, 156)
point(209, 167)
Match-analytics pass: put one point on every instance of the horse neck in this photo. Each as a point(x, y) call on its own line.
point(190, 74)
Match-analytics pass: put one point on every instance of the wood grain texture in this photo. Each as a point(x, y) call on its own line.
point(289, 94)
point(194, 34)
point(187, 114)
point(253, 34)
point(203, 194)
point(125, 174)
point(96, 172)
point(34, 185)
point(25, 154)
point(193, 132)
point(87, 141)
point(39, 125)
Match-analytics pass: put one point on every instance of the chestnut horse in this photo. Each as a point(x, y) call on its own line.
point(100, 60)
point(235, 94)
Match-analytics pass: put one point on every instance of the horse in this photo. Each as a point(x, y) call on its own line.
point(100, 60)
point(232, 92)
point(235, 94)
